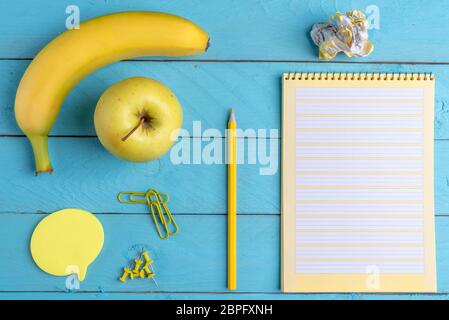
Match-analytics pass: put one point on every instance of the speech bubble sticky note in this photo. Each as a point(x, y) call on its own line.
point(67, 242)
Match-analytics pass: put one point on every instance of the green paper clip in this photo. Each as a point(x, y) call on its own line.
point(157, 203)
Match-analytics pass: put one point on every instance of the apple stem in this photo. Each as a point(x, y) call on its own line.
point(142, 120)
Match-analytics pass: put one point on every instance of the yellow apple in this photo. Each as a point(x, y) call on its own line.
point(138, 119)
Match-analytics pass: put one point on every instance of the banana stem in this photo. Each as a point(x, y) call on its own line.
point(41, 156)
point(142, 120)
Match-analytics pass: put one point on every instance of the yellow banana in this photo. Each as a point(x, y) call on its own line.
point(76, 53)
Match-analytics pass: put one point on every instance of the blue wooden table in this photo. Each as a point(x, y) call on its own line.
point(253, 43)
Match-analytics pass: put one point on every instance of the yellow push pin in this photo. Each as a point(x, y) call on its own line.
point(140, 269)
point(148, 263)
point(147, 258)
point(126, 273)
point(147, 270)
point(137, 265)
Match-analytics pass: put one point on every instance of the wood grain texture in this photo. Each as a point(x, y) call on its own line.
point(253, 43)
point(252, 29)
point(211, 296)
point(87, 176)
point(205, 90)
point(192, 261)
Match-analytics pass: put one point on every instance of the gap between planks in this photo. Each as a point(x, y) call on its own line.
point(265, 61)
point(175, 214)
point(6, 136)
point(146, 213)
point(181, 136)
point(237, 292)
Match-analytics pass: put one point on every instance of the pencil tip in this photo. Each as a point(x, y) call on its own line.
point(232, 116)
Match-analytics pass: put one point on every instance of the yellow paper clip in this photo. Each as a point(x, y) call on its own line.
point(166, 225)
point(159, 206)
point(130, 197)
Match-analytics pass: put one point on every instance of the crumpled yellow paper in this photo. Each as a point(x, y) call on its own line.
point(343, 33)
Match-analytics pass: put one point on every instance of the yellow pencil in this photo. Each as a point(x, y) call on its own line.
point(232, 203)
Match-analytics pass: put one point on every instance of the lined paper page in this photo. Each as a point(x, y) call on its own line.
point(359, 180)
point(357, 183)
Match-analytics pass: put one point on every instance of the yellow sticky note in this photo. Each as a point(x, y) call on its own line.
point(67, 242)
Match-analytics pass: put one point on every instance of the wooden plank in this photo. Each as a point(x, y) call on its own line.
point(206, 91)
point(441, 178)
point(275, 30)
point(87, 176)
point(192, 261)
point(211, 296)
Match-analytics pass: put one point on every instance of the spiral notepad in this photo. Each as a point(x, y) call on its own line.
point(357, 183)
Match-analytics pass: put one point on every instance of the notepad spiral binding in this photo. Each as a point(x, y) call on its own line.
point(359, 76)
